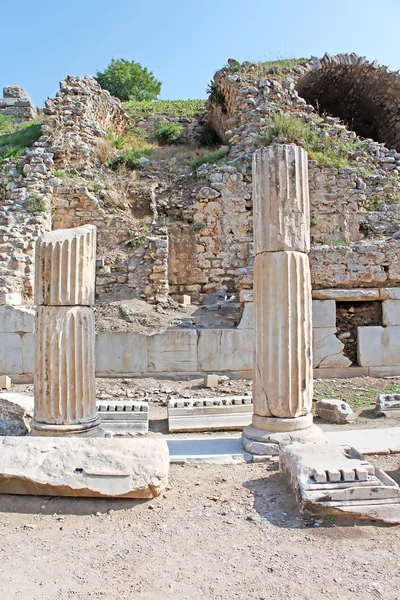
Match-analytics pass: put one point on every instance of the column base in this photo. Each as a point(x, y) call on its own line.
point(89, 429)
point(269, 442)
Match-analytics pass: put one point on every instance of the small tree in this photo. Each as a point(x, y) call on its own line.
point(128, 80)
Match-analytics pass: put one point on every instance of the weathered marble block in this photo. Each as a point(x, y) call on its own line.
point(391, 312)
point(323, 313)
point(328, 349)
point(65, 267)
point(98, 467)
point(378, 346)
point(281, 199)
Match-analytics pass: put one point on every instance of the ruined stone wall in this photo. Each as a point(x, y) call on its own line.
point(17, 104)
point(374, 264)
point(79, 115)
point(217, 237)
point(347, 204)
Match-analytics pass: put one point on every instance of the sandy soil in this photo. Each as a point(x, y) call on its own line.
point(220, 533)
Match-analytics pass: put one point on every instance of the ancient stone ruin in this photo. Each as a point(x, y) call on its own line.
point(17, 104)
point(175, 230)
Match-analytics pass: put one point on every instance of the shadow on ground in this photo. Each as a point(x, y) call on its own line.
point(48, 505)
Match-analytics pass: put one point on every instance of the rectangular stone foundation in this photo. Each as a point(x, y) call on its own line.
point(210, 414)
point(124, 418)
point(329, 479)
point(71, 466)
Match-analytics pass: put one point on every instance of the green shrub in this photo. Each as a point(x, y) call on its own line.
point(60, 174)
point(14, 138)
point(168, 132)
point(210, 157)
point(331, 150)
point(216, 96)
point(6, 124)
point(170, 108)
point(35, 204)
point(128, 80)
point(198, 225)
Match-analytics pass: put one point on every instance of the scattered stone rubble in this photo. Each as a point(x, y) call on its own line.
point(335, 411)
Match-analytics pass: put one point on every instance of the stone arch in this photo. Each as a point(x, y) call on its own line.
point(365, 95)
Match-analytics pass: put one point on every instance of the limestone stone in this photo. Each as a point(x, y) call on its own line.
point(282, 371)
point(344, 295)
point(174, 350)
point(328, 349)
point(391, 312)
point(280, 199)
point(5, 382)
point(98, 467)
point(247, 320)
point(225, 349)
point(388, 405)
point(390, 293)
point(120, 353)
point(65, 267)
point(64, 374)
point(211, 380)
point(16, 319)
point(212, 414)
point(10, 353)
point(246, 296)
point(16, 411)
point(14, 91)
point(335, 411)
point(185, 300)
point(378, 346)
point(337, 480)
point(124, 417)
point(323, 313)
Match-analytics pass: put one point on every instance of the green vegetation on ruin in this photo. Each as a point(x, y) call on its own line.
point(279, 64)
point(35, 204)
point(207, 156)
point(15, 137)
point(168, 132)
point(361, 399)
point(168, 108)
point(331, 149)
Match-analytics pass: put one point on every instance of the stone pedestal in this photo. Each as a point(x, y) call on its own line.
point(65, 402)
point(282, 377)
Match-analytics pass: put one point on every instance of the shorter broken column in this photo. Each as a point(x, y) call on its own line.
point(64, 382)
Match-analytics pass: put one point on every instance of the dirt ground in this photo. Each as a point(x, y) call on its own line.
point(135, 315)
point(219, 532)
point(360, 392)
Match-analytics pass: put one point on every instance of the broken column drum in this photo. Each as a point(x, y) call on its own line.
point(282, 377)
point(64, 382)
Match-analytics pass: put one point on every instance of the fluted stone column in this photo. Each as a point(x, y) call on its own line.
point(65, 402)
point(282, 378)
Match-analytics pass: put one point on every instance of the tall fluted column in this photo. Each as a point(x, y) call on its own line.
point(282, 377)
point(65, 402)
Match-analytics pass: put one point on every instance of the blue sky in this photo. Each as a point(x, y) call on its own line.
point(183, 41)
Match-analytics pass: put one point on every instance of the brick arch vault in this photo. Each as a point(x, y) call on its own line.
point(363, 94)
